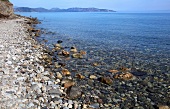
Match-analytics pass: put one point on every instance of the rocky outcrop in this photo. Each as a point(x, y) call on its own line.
point(6, 8)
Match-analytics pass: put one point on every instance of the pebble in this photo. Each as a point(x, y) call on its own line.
point(55, 92)
point(59, 76)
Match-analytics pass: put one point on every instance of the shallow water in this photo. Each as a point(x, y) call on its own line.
point(115, 39)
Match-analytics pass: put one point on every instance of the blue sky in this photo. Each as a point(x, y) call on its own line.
point(118, 5)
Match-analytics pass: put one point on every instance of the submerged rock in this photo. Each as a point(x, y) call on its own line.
point(93, 77)
point(73, 49)
point(77, 55)
point(66, 72)
point(74, 92)
point(57, 47)
point(80, 76)
point(113, 71)
point(59, 41)
point(125, 76)
point(65, 53)
point(106, 80)
point(68, 84)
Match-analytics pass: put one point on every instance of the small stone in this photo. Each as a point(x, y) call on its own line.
point(59, 41)
point(45, 78)
point(80, 76)
point(82, 52)
point(50, 83)
point(75, 105)
point(77, 55)
point(9, 62)
point(93, 77)
point(74, 92)
point(39, 85)
point(65, 53)
point(70, 106)
point(57, 45)
point(68, 84)
point(95, 106)
point(73, 49)
point(34, 87)
point(164, 107)
point(41, 99)
point(30, 105)
point(59, 76)
point(95, 64)
point(113, 71)
point(54, 92)
point(70, 102)
point(84, 106)
point(66, 72)
point(106, 80)
point(44, 89)
point(125, 76)
point(99, 101)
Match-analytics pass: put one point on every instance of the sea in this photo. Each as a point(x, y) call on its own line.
point(132, 40)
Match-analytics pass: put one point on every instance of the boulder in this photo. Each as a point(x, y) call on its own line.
point(6, 8)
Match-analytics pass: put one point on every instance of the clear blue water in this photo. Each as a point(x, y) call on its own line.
point(146, 36)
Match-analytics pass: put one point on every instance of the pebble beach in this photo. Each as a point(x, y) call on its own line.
point(34, 77)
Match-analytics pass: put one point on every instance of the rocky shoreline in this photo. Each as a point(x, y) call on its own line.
point(24, 82)
point(35, 77)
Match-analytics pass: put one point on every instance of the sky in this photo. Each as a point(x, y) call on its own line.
point(117, 5)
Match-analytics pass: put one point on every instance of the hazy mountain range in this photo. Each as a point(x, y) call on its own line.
point(27, 9)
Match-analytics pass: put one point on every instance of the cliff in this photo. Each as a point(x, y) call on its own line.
point(6, 8)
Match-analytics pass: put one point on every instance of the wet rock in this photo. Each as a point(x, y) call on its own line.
point(93, 77)
point(62, 64)
point(74, 92)
point(124, 69)
point(65, 53)
point(113, 71)
point(68, 84)
point(59, 41)
point(59, 76)
point(95, 64)
point(73, 49)
point(57, 47)
point(82, 52)
point(95, 106)
point(164, 107)
point(106, 80)
point(125, 76)
point(139, 73)
point(66, 72)
point(80, 76)
point(77, 55)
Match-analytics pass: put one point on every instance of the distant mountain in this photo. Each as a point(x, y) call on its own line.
point(27, 9)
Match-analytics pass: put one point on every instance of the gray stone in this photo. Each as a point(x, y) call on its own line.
point(96, 105)
point(74, 92)
point(54, 92)
point(34, 87)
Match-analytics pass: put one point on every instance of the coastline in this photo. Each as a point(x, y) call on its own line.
point(32, 78)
